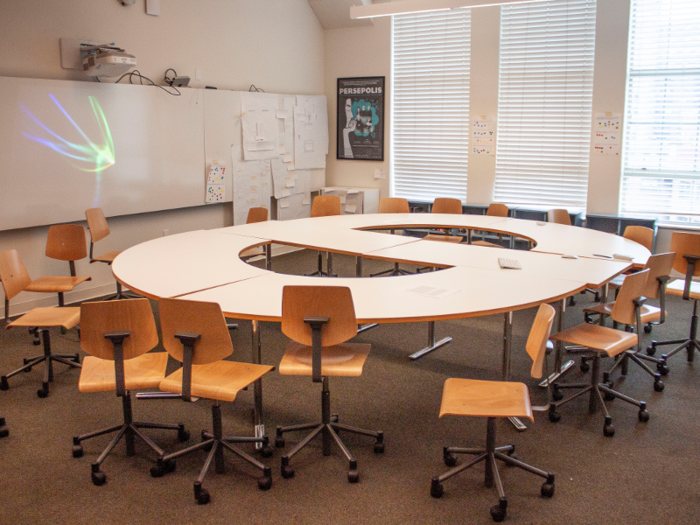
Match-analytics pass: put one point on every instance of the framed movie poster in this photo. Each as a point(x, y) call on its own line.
point(361, 118)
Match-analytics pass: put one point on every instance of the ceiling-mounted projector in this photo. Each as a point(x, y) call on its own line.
point(107, 61)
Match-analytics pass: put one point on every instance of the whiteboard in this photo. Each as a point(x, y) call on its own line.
point(66, 146)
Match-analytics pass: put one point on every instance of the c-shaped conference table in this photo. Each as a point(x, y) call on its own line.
point(205, 265)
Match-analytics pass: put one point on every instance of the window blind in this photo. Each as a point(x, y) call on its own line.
point(544, 102)
point(661, 167)
point(430, 104)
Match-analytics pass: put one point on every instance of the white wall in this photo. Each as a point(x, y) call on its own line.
point(278, 45)
point(366, 51)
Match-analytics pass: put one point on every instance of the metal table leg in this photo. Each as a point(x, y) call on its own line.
point(358, 273)
point(559, 368)
point(505, 370)
point(259, 414)
point(432, 345)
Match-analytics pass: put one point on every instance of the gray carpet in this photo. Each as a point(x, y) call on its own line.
point(646, 473)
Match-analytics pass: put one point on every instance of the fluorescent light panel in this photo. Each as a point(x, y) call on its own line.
point(404, 7)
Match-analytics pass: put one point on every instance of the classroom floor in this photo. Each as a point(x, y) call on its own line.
point(646, 473)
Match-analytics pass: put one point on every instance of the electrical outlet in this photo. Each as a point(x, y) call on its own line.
point(166, 232)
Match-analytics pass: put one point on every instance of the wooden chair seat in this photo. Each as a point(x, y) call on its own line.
point(648, 313)
point(487, 244)
point(106, 258)
point(343, 360)
point(470, 397)
point(45, 317)
point(220, 380)
point(144, 371)
point(598, 338)
point(677, 286)
point(55, 284)
point(444, 238)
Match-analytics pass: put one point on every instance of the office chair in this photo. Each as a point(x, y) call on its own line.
point(195, 333)
point(659, 267)
point(320, 319)
point(98, 228)
point(559, 216)
point(15, 279)
point(118, 336)
point(641, 235)
point(602, 341)
point(257, 215)
point(324, 206)
point(687, 249)
point(495, 209)
point(66, 242)
point(444, 205)
point(393, 205)
point(492, 399)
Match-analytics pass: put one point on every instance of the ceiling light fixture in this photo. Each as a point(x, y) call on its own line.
point(403, 7)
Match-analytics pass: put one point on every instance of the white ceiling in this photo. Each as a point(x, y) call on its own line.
point(335, 14)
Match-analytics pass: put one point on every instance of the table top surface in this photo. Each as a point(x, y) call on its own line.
point(205, 265)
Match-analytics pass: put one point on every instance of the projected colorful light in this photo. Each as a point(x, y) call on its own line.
point(88, 157)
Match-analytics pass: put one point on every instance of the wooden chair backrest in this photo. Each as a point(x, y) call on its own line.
point(393, 205)
point(641, 235)
point(326, 205)
point(197, 317)
point(66, 242)
point(559, 216)
point(447, 205)
point(536, 345)
point(659, 265)
point(257, 215)
point(97, 224)
point(632, 287)
point(497, 209)
point(13, 274)
point(99, 318)
point(685, 244)
point(334, 302)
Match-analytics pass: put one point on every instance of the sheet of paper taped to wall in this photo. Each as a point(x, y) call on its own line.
point(308, 145)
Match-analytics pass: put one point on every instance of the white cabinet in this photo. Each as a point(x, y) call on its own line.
point(355, 200)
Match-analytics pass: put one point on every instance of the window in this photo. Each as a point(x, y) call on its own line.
point(661, 170)
point(430, 105)
point(544, 102)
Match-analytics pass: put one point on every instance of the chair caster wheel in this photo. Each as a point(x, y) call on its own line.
point(43, 392)
point(287, 472)
point(4, 385)
point(547, 490)
point(651, 349)
point(643, 414)
point(608, 396)
point(353, 476)
point(201, 496)
point(662, 368)
point(585, 367)
point(76, 359)
point(279, 442)
point(557, 394)
point(597, 297)
point(659, 386)
point(608, 428)
point(267, 451)
point(379, 448)
point(449, 459)
point(498, 512)
point(77, 451)
point(99, 478)
point(183, 434)
point(265, 483)
point(163, 468)
point(572, 301)
point(554, 416)
point(4, 431)
point(436, 489)
point(647, 329)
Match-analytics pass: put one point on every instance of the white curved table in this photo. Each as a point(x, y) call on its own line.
point(205, 265)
